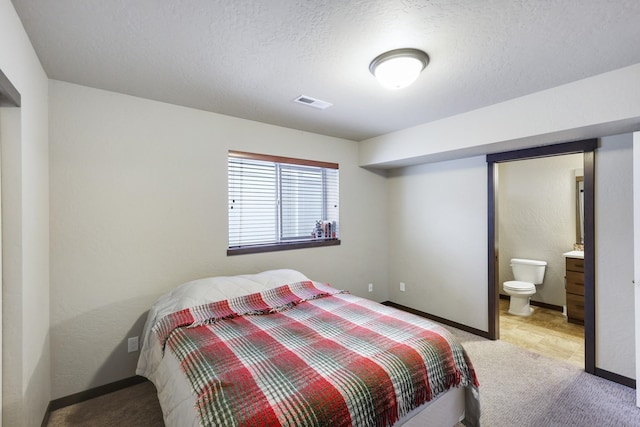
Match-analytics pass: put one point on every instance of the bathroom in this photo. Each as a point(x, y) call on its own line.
point(537, 216)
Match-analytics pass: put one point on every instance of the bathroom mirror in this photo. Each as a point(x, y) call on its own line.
point(579, 210)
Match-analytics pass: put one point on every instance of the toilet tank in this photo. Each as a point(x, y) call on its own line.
point(528, 270)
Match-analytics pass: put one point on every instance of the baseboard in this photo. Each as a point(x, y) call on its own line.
point(537, 303)
point(90, 394)
point(438, 319)
point(616, 378)
point(610, 376)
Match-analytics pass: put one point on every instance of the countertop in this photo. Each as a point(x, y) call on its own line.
point(574, 254)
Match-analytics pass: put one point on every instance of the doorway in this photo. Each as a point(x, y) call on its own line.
point(587, 147)
point(537, 215)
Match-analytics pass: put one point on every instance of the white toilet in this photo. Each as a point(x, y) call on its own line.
point(528, 273)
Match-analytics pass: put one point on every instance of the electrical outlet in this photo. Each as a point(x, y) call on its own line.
point(370, 287)
point(402, 287)
point(132, 344)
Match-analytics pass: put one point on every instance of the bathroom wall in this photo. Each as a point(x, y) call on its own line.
point(536, 218)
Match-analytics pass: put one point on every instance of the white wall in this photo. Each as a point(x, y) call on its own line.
point(25, 214)
point(438, 245)
point(133, 213)
point(636, 254)
point(615, 334)
point(537, 218)
point(139, 205)
point(606, 104)
point(438, 239)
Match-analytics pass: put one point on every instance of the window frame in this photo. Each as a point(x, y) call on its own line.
point(279, 246)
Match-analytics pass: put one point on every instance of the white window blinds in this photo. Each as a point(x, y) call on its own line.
point(281, 201)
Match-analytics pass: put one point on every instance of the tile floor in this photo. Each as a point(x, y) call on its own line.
point(546, 332)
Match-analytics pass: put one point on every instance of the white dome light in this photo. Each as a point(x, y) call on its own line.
point(398, 68)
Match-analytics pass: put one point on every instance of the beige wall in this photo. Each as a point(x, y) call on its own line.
point(438, 239)
point(25, 222)
point(138, 206)
point(537, 218)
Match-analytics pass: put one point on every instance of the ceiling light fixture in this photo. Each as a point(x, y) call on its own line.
point(398, 68)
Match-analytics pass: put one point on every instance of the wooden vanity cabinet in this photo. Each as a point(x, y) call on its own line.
point(574, 286)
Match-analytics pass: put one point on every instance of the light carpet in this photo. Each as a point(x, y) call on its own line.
point(517, 388)
point(522, 388)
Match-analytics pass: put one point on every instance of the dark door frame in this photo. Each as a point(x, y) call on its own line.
point(587, 147)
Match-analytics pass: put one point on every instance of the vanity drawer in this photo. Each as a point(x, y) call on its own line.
point(575, 264)
point(575, 283)
point(575, 307)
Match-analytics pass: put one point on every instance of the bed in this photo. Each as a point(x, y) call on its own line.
point(276, 348)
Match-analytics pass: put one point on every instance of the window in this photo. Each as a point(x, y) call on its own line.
point(278, 203)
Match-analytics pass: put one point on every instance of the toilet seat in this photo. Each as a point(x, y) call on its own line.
point(516, 286)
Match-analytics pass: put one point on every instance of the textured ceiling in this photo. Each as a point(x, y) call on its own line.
point(250, 59)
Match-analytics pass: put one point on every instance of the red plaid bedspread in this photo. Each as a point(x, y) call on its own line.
point(306, 354)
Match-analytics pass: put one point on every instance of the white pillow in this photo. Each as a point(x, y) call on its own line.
point(210, 289)
point(204, 291)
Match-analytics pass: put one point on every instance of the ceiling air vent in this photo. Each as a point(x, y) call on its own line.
point(312, 102)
